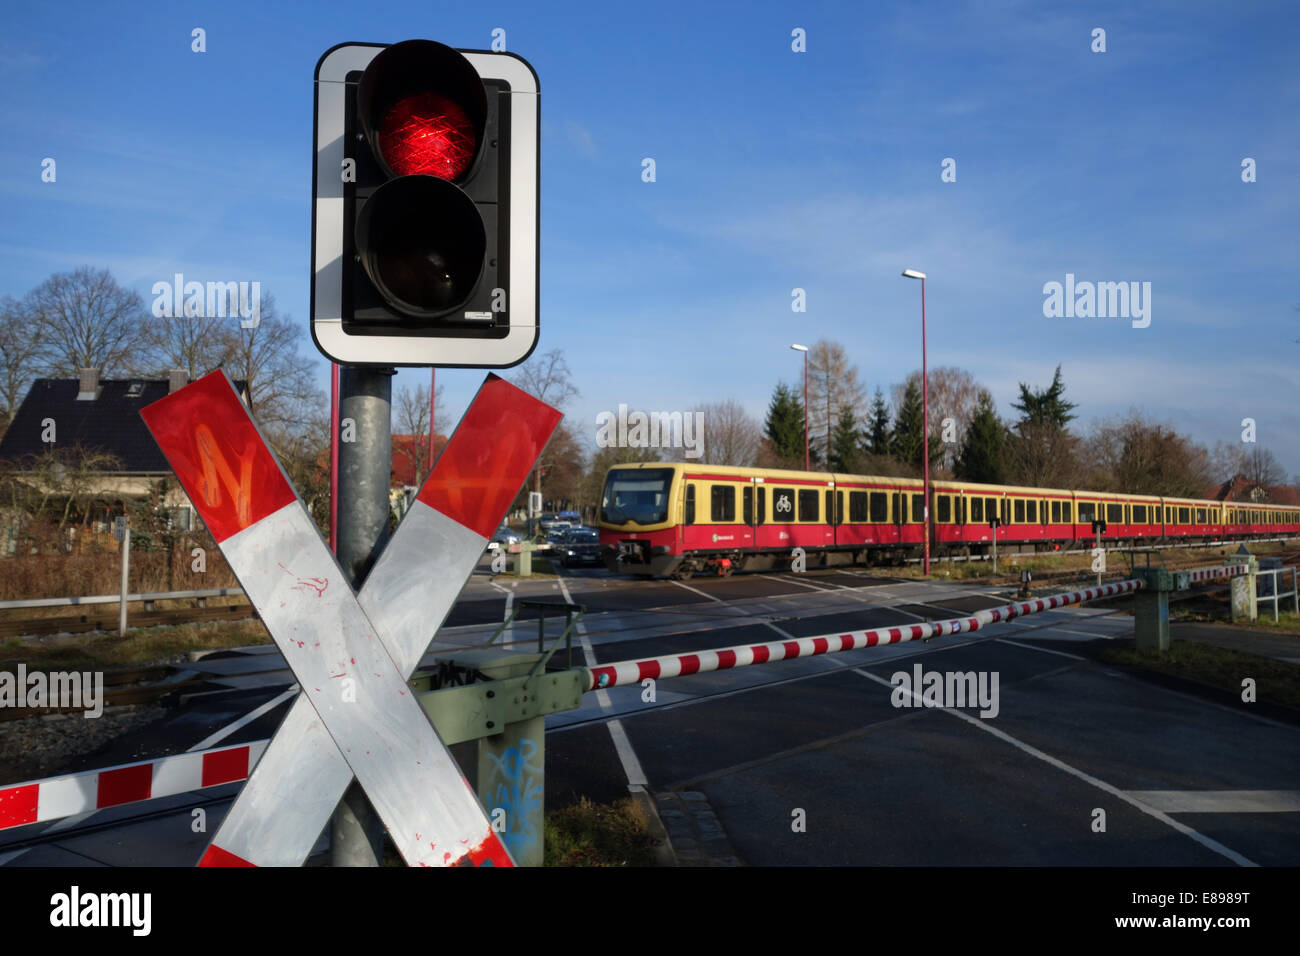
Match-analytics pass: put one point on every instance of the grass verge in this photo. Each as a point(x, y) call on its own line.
point(1277, 681)
point(586, 834)
point(589, 834)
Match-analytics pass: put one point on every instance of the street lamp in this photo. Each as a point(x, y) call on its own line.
point(804, 350)
point(925, 422)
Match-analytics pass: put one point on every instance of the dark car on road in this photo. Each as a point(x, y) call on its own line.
point(581, 547)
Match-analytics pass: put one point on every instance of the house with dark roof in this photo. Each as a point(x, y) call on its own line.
point(1241, 488)
point(96, 421)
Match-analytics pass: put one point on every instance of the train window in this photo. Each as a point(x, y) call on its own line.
point(782, 504)
point(895, 503)
point(990, 508)
point(961, 510)
point(1184, 515)
point(1020, 510)
point(747, 504)
point(762, 503)
point(722, 503)
point(977, 509)
point(1065, 512)
point(808, 504)
point(830, 507)
point(918, 508)
point(944, 510)
point(1056, 512)
point(839, 507)
point(1114, 514)
point(1200, 516)
point(858, 507)
point(1031, 511)
point(1139, 514)
point(1087, 512)
point(1169, 515)
point(1006, 510)
point(690, 503)
point(879, 507)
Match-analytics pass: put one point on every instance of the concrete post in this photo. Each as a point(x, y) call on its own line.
point(1151, 609)
point(1244, 605)
point(511, 772)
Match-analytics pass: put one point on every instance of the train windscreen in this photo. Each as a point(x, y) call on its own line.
point(637, 495)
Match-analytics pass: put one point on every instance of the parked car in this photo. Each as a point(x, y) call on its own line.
point(581, 546)
point(552, 522)
point(503, 538)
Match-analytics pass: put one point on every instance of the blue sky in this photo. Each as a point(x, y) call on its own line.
point(775, 170)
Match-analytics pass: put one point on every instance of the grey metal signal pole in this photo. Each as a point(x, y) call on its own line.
point(365, 470)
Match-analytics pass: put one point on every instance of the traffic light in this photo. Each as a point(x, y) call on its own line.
point(425, 219)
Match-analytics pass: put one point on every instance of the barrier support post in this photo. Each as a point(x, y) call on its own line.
point(500, 699)
point(1151, 607)
point(1244, 604)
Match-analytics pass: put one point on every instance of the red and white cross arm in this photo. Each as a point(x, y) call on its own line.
point(361, 718)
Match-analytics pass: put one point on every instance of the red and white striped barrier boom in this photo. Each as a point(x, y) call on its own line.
point(743, 655)
point(43, 800)
point(1210, 574)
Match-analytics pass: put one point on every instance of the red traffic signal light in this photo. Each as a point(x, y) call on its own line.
point(425, 252)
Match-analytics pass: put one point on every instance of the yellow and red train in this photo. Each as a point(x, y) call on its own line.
point(679, 519)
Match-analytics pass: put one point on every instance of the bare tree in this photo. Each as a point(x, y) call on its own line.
point(954, 394)
point(1260, 467)
point(731, 435)
point(411, 417)
point(282, 395)
point(1255, 463)
point(198, 344)
point(89, 321)
point(21, 336)
point(547, 377)
point(1144, 458)
point(832, 386)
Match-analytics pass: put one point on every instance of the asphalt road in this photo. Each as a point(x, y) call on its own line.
point(815, 761)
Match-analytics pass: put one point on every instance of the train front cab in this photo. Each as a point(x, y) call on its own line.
point(640, 518)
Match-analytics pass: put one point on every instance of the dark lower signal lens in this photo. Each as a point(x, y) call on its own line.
point(422, 243)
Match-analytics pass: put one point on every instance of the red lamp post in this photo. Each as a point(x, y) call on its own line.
point(925, 421)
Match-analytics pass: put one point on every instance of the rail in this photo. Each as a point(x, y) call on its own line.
point(117, 598)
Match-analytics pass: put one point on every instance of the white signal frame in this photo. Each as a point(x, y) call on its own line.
point(327, 225)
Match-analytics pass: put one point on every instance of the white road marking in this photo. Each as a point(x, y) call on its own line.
point(1221, 801)
point(802, 584)
point(213, 739)
point(636, 779)
point(1044, 650)
point(699, 592)
point(1210, 844)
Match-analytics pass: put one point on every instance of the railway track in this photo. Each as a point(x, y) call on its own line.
point(107, 620)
